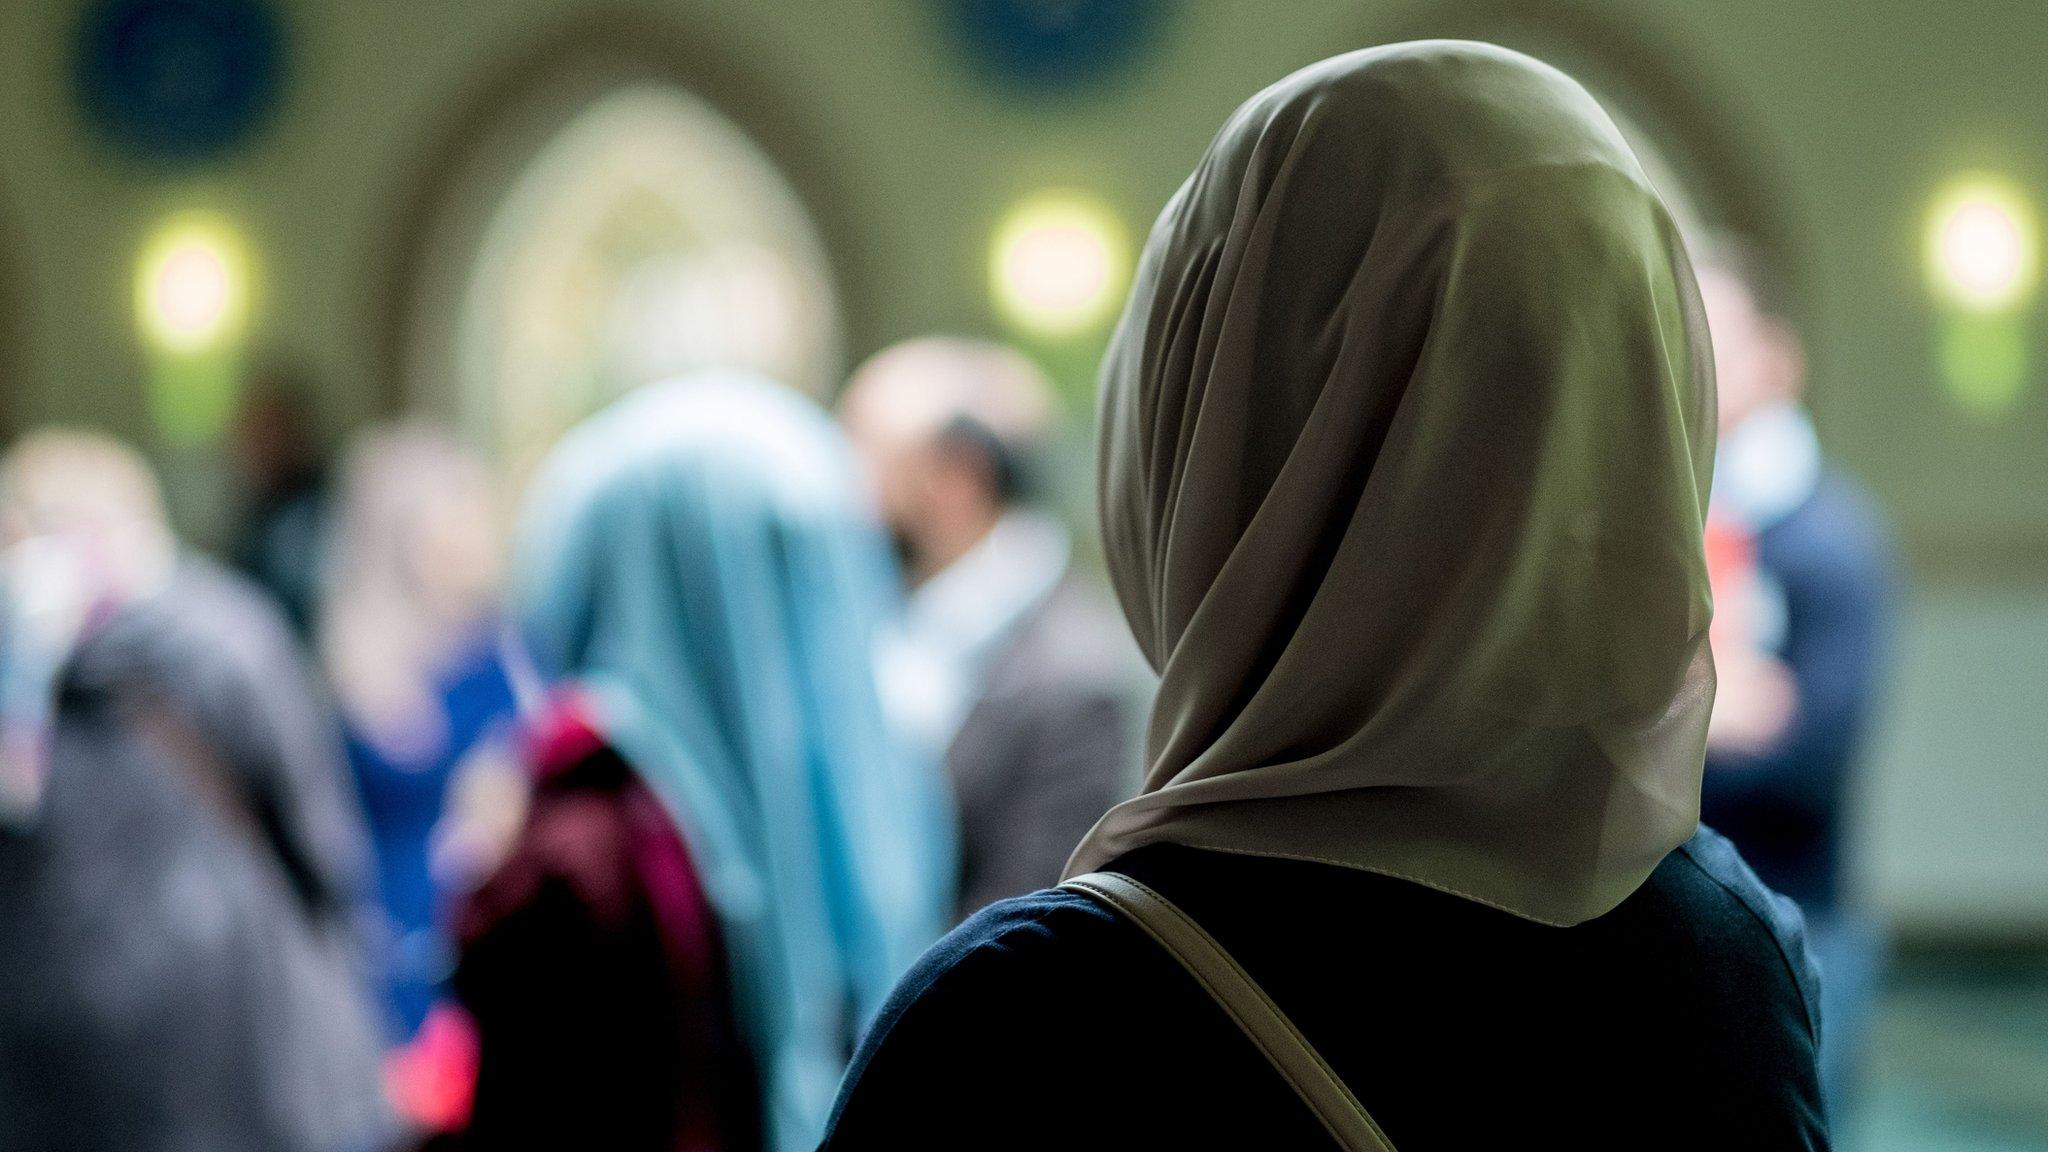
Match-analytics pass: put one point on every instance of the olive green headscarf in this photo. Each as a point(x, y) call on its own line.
point(1406, 438)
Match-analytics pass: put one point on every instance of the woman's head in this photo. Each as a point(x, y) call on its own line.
point(412, 568)
point(701, 559)
point(94, 497)
point(1406, 437)
point(82, 532)
point(419, 521)
point(665, 519)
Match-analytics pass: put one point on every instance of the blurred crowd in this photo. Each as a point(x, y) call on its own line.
point(344, 843)
point(423, 814)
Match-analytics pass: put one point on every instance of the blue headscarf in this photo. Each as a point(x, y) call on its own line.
point(700, 559)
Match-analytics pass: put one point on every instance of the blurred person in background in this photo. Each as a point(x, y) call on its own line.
point(409, 637)
point(1009, 667)
point(1803, 591)
point(1407, 434)
point(276, 453)
point(728, 859)
point(183, 867)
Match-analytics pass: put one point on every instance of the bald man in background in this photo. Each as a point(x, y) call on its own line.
point(1010, 667)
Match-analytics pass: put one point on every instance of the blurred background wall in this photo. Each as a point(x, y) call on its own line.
point(1827, 130)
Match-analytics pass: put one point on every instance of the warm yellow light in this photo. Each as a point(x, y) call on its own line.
point(1058, 264)
point(1982, 246)
point(192, 286)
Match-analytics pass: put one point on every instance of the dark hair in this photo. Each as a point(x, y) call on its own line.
point(1008, 464)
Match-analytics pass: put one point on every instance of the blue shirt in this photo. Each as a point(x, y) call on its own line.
point(1684, 1018)
point(403, 802)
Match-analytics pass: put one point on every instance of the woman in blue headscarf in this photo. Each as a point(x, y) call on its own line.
point(727, 860)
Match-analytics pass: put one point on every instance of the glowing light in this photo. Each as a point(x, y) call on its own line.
point(1058, 264)
point(192, 289)
point(191, 286)
point(1982, 247)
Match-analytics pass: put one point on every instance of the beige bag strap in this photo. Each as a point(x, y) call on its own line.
point(1245, 1002)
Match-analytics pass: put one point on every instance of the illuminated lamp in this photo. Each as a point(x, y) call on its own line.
point(1982, 251)
point(192, 289)
point(1058, 264)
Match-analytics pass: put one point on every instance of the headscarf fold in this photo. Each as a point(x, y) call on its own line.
point(1406, 438)
point(699, 557)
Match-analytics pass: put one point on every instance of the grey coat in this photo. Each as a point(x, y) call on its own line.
point(1048, 748)
point(178, 934)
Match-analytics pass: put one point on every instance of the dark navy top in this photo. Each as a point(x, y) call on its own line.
point(1685, 1018)
point(1785, 806)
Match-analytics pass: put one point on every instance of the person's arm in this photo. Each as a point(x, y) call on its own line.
point(965, 1053)
point(1773, 1099)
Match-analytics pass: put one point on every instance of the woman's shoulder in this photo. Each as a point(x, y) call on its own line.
point(982, 1015)
point(1748, 932)
point(1709, 872)
point(1041, 934)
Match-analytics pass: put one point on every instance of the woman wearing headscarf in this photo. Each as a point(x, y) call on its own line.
point(408, 635)
point(728, 861)
point(1406, 437)
point(183, 868)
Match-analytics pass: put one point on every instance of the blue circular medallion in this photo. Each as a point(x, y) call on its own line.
point(1055, 44)
point(179, 79)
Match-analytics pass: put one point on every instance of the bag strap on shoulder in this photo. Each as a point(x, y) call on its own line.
point(1244, 1002)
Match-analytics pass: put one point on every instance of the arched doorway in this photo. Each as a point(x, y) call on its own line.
point(611, 227)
